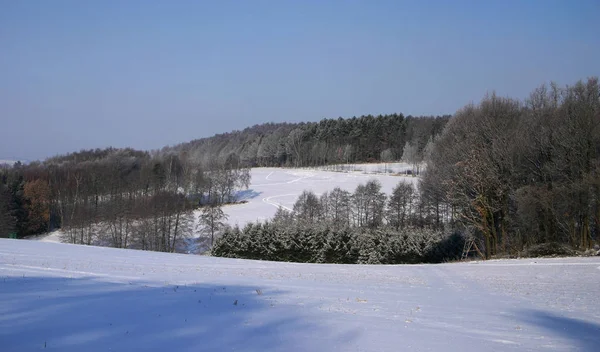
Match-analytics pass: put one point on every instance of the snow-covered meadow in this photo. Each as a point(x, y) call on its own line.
point(63, 297)
point(274, 187)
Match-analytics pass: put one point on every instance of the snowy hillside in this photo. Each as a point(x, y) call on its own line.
point(61, 297)
point(274, 187)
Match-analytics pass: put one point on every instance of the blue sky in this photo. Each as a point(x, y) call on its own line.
point(85, 74)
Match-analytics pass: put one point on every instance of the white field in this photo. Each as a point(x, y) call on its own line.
point(61, 297)
point(274, 187)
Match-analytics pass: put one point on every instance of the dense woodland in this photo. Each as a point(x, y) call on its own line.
point(330, 141)
point(135, 199)
point(503, 174)
point(119, 198)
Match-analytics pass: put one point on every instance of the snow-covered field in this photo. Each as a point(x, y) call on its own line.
point(64, 297)
point(274, 187)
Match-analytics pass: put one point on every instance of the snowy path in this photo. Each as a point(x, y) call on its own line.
point(75, 298)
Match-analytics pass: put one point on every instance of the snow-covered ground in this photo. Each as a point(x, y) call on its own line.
point(274, 187)
point(63, 297)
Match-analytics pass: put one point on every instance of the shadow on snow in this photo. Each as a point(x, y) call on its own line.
point(87, 314)
point(585, 335)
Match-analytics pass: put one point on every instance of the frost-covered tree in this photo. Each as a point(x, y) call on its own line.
point(412, 156)
point(338, 207)
point(375, 204)
point(387, 156)
point(400, 204)
point(369, 204)
point(283, 217)
point(212, 220)
point(307, 208)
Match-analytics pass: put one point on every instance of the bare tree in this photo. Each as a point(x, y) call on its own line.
point(400, 204)
point(387, 156)
point(412, 156)
point(212, 220)
point(307, 207)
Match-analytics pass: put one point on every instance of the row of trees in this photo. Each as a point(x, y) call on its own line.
point(365, 226)
point(367, 207)
point(119, 198)
point(330, 141)
point(323, 244)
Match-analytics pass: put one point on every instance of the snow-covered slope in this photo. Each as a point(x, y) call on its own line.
point(274, 187)
point(62, 297)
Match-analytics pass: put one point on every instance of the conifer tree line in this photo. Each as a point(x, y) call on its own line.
point(504, 174)
point(117, 197)
point(363, 227)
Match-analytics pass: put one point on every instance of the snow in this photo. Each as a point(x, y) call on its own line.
point(63, 297)
point(274, 187)
point(53, 236)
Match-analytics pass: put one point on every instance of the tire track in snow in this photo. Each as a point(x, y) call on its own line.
point(278, 205)
point(281, 183)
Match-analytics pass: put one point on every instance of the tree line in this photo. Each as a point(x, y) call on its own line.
point(363, 227)
point(517, 173)
point(116, 197)
point(330, 141)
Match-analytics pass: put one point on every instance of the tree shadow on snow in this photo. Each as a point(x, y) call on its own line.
point(585, 335)
point(246, 195)
point(87, 314)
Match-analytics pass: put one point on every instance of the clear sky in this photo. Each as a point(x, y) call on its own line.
point(85, 74)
